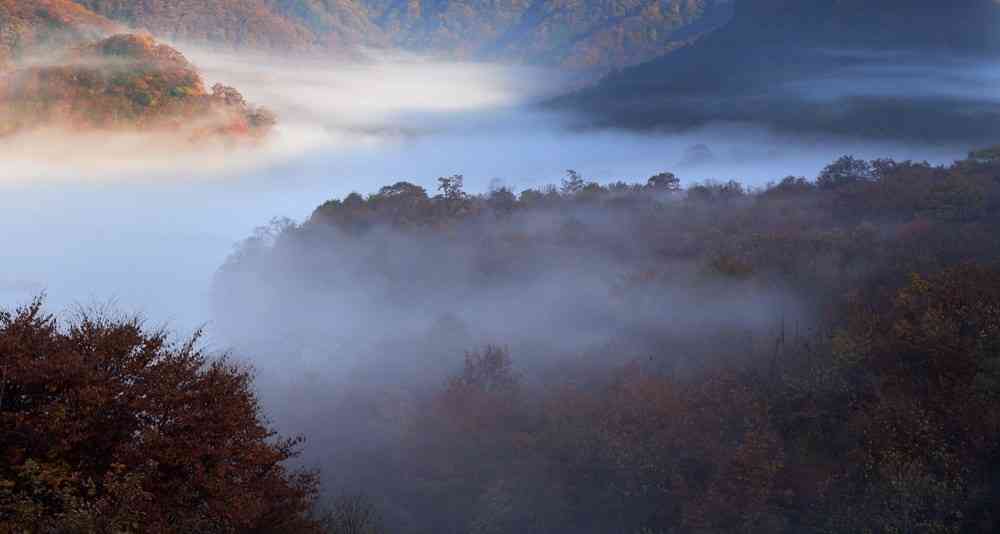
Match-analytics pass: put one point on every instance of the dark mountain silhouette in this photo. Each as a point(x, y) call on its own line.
point(752, 68)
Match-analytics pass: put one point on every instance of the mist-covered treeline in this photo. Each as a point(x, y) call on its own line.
point(818, 355)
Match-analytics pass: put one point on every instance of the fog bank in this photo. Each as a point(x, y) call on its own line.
point(146, 223)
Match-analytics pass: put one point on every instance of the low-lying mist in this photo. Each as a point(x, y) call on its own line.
point(347, 330)
point(440, 350)
point(352, 324)
point(145, 221)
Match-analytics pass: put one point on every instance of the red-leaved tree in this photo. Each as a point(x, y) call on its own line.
point(108, 427)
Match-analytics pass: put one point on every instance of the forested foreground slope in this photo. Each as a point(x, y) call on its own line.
point(812, 356)
point(817, 355)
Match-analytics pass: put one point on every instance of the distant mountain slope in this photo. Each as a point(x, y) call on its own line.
point(755, 68)
point(596, 34)
point(276, 25)
point(592, 35)
point(248, 23)
point(334, 24)
point(768, 38)
point(28, 23)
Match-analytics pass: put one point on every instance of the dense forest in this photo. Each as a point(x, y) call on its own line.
point(581, 36)
point(590, 37)
point(249, 23)
point(810, 356)
point(26, 25)
point(816, 355)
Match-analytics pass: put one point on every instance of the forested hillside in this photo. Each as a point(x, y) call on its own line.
point(261, 24)
point(27, 24)
point(125, 81)
point(580, 35)
point(60, 66)
point(617, 354)
point(587, 36)
point(770, 63)
point(814, 356)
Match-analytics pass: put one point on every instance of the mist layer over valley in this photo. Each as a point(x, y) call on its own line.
point(486, 312)
point(119, 207)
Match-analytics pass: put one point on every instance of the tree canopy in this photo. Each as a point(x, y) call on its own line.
point(108, 427)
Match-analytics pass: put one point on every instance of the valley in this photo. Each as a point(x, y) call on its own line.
point(508, 266)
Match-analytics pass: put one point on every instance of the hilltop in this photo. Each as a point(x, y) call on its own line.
point(64, 65)
point(127, 81)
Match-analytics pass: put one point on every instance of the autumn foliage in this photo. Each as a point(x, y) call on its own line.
point(127, 81)
point(108, 427)
point(63, 66)
point(595, 37)
point(881, 416)
point(27, 25)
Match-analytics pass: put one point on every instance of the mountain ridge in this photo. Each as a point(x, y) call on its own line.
point(746, 70)
point(596, 36)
